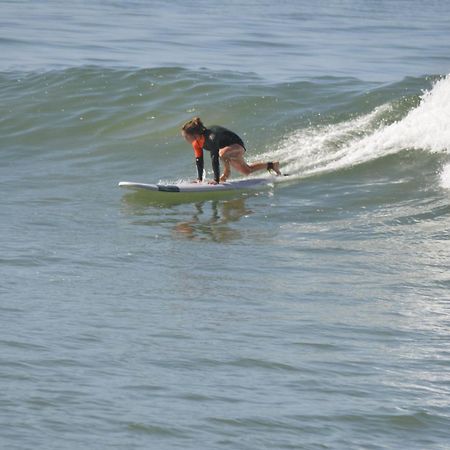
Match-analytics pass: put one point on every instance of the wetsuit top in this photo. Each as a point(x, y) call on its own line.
point(213, 140)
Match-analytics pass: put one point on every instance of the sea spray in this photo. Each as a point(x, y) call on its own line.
point(445, 177)
point(366, 138)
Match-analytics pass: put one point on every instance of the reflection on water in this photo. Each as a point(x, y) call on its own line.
point(203, 220)
point(211, 221)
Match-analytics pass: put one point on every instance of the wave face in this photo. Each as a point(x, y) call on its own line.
point(109, 116)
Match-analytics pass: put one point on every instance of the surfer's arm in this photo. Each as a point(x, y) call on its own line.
point(215, 165)
point(200, 165)
point(199, 162)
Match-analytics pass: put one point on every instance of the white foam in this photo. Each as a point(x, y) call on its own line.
point(333, 147)
point(445, 177)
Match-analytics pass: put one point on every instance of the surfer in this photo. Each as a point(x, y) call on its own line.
point(222, 144)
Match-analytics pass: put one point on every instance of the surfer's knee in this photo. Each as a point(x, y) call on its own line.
point(223, 152)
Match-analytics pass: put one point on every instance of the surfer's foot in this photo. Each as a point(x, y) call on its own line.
point(274, 167)
point(223, 178)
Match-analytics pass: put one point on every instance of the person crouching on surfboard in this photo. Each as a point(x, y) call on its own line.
point(223, 144)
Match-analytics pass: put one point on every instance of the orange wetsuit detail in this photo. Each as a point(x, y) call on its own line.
point(198, 146)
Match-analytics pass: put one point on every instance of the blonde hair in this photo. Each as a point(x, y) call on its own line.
point(194, 126)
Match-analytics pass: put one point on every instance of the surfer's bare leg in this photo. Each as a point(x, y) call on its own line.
point(226, 170)
point(234, 155)
point(228, 155)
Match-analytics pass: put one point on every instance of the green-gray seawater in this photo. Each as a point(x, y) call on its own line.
point(313, 315)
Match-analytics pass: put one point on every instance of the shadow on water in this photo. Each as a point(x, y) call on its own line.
point(203, 220)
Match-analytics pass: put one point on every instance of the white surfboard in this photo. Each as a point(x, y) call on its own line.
point(186, 187)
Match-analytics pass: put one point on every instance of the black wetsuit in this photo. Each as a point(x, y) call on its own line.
point(216, 137)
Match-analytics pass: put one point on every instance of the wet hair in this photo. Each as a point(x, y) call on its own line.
point(194, 126)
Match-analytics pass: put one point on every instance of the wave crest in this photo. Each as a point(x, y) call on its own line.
point(366, 138)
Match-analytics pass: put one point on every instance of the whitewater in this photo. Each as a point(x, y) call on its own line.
point(321, 149)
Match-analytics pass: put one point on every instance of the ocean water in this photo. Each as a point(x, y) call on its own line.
point(312, 315)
